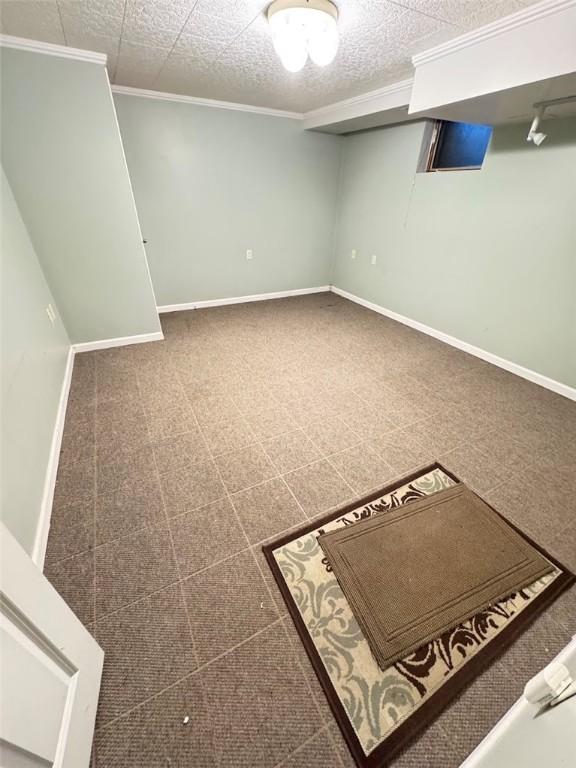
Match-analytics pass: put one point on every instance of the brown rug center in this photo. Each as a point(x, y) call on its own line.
point(411, 575)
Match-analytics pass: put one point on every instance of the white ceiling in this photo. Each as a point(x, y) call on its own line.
point(221, 49)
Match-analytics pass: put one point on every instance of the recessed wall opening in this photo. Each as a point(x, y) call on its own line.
point(454, 146)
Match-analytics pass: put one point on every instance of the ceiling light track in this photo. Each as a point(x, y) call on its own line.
point(535, 136)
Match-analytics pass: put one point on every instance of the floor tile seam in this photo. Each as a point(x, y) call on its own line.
point(178, 569)
point(410, 425)
point(332, 741)
point(324, 454)
point(497, 431)
point(201, 430)
point(260, 542)
point(249, 546)
point(368, 441)
point(252, 555)
point(260, 386)
point(53, 563)
point(504, 477)
point(301, 747)
point(317, 444)
point(188, 675)
point(191, 404)
point(269, 439)
point(374, 488)
point(224, 453)
point(221, 561)
point(300, 507)
point(302, 670)
point(565, 528)
point(325, 458)
point(146, 527)
point(118, 399)
point(156, 524)
point(249, 487)
point(99, 401)
point(80, 420)
point(247, 538)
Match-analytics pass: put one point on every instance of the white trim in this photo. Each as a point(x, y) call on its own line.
point(241, 299)
point(479, 756)
point(41, 538)
point(119, 134)
point(121, 341)
point(389, 97)
point(507, 365)
point(387, 90)
point(51, 49)
point(494, 29)
point(126, 90)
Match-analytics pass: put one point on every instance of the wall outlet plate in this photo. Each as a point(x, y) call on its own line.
point(353, 254)
point(373, 259)
point(249, 254)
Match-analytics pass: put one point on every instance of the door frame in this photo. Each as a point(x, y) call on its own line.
point(33, 611)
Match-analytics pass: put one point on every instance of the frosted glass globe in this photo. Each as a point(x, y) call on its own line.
point(301, 31)
point(323, 41)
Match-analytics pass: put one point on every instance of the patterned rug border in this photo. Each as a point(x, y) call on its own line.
point(431, 708)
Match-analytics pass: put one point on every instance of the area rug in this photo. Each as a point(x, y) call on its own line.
point(379, 711)
point(416, 572)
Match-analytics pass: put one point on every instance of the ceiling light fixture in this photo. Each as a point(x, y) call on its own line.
point(302, 28)
point(533, 135)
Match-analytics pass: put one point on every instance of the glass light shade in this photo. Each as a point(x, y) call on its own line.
point(323, 40)
point(289, 39)
point(294, 58)
point(302, 31)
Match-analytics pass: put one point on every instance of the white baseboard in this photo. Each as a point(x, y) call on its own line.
point(41, 540)
point(122, 341)
point(507, 365)
point(43, 527)
point(241, 299)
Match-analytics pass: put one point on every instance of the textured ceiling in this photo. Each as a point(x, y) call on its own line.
point(221, 49)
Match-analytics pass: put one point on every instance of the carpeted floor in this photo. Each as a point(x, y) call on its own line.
point(180, 458)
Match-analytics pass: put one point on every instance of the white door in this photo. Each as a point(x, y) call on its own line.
point(50, 670)
point(532, 736)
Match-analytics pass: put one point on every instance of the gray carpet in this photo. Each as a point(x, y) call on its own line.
point(181, 457)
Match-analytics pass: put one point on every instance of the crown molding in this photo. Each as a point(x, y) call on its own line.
point(369, 96)
point(51, 49)
point(126, 90)
point(389, 97)
point(494, 29)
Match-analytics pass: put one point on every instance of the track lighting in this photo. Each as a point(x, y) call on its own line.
point(533, 135)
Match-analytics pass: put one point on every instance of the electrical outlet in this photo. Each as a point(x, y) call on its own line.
point(249, 254)
point(51, 314)
point(353, 254)
point(373, 259)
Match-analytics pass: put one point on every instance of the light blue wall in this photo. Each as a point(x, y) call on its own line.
point(33, 356)
point(212, 183)
point(486, 256)
point(63, 156)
